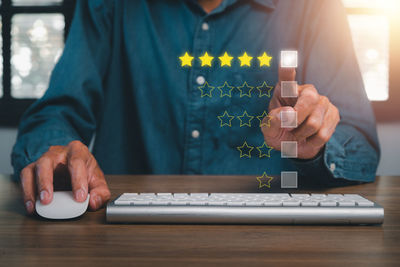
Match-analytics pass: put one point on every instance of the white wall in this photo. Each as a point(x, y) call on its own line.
point(388, 136)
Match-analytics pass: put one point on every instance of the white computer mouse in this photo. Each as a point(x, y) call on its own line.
point(63, 206)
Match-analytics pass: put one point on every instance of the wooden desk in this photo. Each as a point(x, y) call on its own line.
point(89, 241)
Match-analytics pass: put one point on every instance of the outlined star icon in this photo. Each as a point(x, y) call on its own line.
point(265, 150)
point(206, 90)
point(206, 60)
point(265, 60)
point(262, 116)
point(186, 60)
point(265, 90)
point(246, 148)
point(264, 180)
point(225, 60)
point(245, 88)
point(247, 120)
point(226, 119)
point(226, 90)
point(245, 60)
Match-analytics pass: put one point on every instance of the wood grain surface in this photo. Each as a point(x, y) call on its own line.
point(89, 241)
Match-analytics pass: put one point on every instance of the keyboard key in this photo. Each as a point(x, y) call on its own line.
point(179, 203)
point(253, 204)
point(365, 203)
point(234, 203)
point(122, 202)
point(309, 203)
point(291, 203)
point(141, 203)
point(159, 203)
point(197, 203)
point(347, 203)
point(327, 203)
point(272, 203)
point(217, 203)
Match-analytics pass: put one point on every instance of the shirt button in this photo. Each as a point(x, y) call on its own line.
point(200, 80)
point(195, 134)
point(332, 167)
point(205, 26)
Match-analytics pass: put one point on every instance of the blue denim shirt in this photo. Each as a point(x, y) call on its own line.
point(120, 79)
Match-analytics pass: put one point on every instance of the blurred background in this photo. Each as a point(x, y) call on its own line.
point(32, 34)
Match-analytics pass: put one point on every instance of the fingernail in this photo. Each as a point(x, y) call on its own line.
point(29, 206)
point(98, 202)
point(80, 195)
point(44, 195)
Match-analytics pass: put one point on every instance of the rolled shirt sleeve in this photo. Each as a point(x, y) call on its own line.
point(70, 106)
point(330, 65)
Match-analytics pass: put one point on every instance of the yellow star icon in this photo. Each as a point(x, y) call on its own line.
point(246, 148)
point(206, 90)
point(186, 60)
point(264, 180)
point(265, 90)
point(265, 60)
point(247, 121)
point(246, 89)
point(262, 116)
point(225, 60)
point(245, 60)
point(226, 90)
point(206, 60)
point(265, 150)
point(226, 119)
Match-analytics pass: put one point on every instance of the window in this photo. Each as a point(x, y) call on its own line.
point(374, 25)
point(32, 39)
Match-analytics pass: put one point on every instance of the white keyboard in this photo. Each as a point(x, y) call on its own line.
point(249, 208)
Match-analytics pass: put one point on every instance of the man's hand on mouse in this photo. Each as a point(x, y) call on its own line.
point(74, 161)
point(317, 118)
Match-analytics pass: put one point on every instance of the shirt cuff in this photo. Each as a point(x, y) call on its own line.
point(346, 158)
point(29, 148)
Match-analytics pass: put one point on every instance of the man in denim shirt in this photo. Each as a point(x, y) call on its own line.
point(123, 77)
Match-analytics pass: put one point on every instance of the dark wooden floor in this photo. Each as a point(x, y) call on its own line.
point(89, 241)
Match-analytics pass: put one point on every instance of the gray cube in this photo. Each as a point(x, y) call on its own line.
point(288, 179)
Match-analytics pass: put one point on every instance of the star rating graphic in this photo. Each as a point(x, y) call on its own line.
point(226, 90)
point(186, 60)
point(265, 90)
point(206, 60)
point(262, 116)
point(245, 60)
point(265, 150)
point(264, 180)
point(206, 90)
point(226, 119)
point(225, 60)
point(265, 60)
point(245, 90)
point(245, 150)
point(247, 121)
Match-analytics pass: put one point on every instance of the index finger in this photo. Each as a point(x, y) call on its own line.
point(288, 65)
point(78, 156)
